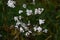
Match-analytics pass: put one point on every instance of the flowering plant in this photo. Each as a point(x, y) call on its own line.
point(29, 20)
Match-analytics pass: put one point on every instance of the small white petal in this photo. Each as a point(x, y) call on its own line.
point(27, 34)
point(36, 11)
point(45, 30)
point(42, 9)
point(16, 18)
point(24, 26)
point(24, 5)
point(18, 23)
point(20, 17)
point(35, 28)
point(41, 21)
point(29, 31)
point(20, 11)
point(30, 11)
point(39, 29)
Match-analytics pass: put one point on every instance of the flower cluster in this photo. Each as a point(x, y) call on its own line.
point(11, 3)
point(39, 10)
point(30, 12)
point(28, 33)
point(39, 29)
point(24, 26)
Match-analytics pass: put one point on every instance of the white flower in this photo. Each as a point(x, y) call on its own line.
point(24, 26)
point(27, 34)
point(18, 22)
point(11, 3)
point(42, 9)
point(39, 29)
point(28, 12)
point(39, 10)
point(20, 17)
point(24, 5)
point(28, 23)
point(41, 21)
point(20, 11)
point(21, 29)
point(35, 28)
point(29, 31)
point(16, 18)
point(45, 30)
point(36, 11)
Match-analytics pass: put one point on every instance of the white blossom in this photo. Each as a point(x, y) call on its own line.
point(24, 5)
point(16, 18)
point(27, 34)
point(21, 29)
point(41, 21)
point(30, 31)
point(20, 17)
point(20, 11)
point(18, 22)
point(11, 3)
point(45, 30)
point(39, 29)
point(24, 26)
point(35, 28)
point(36, 11)
point(28, 12)
point(39, 10)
